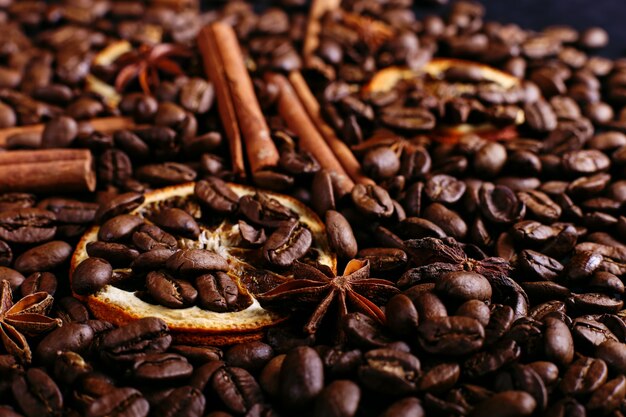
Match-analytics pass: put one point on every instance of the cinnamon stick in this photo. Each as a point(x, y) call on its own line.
point(214, 69)
point(341, 151)
point(103, 124)
point(312, 35)
point(47, 171)
point(260, 148)
point(294, 113)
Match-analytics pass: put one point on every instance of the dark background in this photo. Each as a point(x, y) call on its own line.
point(537, 14)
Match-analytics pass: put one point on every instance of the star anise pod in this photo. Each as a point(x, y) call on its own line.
point(147, 62)
point(372, 32)
point(27, 317)
point(317, 290)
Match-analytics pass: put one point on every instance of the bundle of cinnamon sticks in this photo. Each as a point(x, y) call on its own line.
point(242, 117)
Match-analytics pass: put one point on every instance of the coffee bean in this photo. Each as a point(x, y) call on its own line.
point(27, 225)
point(167, 173)
point(37, 394)
point(288, 243)
point(251, 356)
point(402, 316)
point(160, 367)
point(372, 200)
point(149, 237)
point(183, 401)
point(119, 228)
point(464, 286)
point(609, 396)
point(340, 235)
point(177, 221)
point(72, 337)
point(6, 254)
point(559, 343)
point(475, 309)
point(120, 204)
point(389, 371)
point(151, 260)
point(216, 194)
point(407, 407)
point(613, 353)
point(117, 254)
point(499, 204)
point(44, 257)
point(126, 343)
point(39, 281)
point(584, 376)
point(236, 388)
point(70, 310)
point(339, 399)
point(119, 402)
point(506, 403)
point(59, 133)
point(14, 278)
point(190, 262)
point(455, 335)
point(301, 378)
point(69, 211)
point(217, 292)
point(170, 292)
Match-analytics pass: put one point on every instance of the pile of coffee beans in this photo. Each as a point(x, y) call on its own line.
point(508, 249)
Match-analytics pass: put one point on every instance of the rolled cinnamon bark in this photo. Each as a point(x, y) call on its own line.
point(312, 36)
point(260, 148)
point(298, 121)
point(343, 153)
point(47, 171)
point(214, 69)
point(103, 124)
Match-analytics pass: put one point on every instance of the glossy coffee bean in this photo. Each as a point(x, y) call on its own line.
point(91, 275)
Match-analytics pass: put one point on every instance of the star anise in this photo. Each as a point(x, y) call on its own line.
point(318, 289)
point(372, 32)
point(25, 318)
point(146, 62)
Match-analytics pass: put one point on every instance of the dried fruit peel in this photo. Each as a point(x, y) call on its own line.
point(195, 325)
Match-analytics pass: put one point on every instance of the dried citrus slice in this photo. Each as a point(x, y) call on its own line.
point(433, 74)
point(253, 276)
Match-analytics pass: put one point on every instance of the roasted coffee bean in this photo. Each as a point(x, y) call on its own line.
point(69, 366)
point(372, 200)
point(167, 173)
point(218, 292)
point(475, 309)
point(6, 254)
point(69, 211)
point(120, 204)
point(27, 225)
point(301, 378)
point(236, 388)
point(14, 278)
point(384, 260)
point(197, 95)
point(449, 221)
point(381, 162)
point(407, 407)
point(119, 228)
point(170, 292)
point(499, 204)
point(582, 265)
point(559, 344)
point(12, 201)
point(148, 237)
point(269, 378)
point(288, 243)
point(491, 360)
point(444, 189)
point(463, 286)
point(117, 254)
point(389, 371)
point(537, 266)
point(39, 281)
point(455, 335)
point(126, 343)
point(340, 235)
point(114, 167)
point(177, 221)
point(608, 397)
point(119, 402)
point(160, 367)
point(73, 337)
point(339, 399)
point(37, 394)
point(190, 262)
point(506, 403)
point(402, 316)
point(184, 401)
point(70, 310)
point(44, 257)
point(151, 260)
point(59, 132)
point(417, 228)
point(584, 376)
point(216, 195)
point(540, 205)
point(198, 355)
point(596, 303)
point(589, 332)
point(428, 305)
point(251, 356)
point(613, 353)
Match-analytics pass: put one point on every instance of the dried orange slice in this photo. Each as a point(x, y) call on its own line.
point(434, 73)
point(195, 325)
